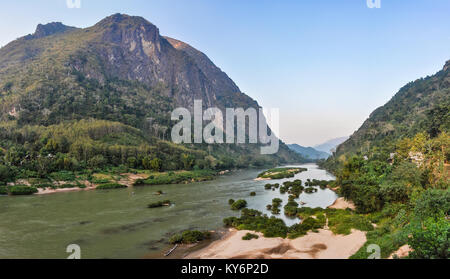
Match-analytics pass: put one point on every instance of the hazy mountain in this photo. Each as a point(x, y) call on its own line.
point(308, 152)
point(330, 146)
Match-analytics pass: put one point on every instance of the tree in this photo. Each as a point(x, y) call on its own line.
point(431, 203)
point(438, 120)
point(146, 162)
point(131, 162)
point(211, 162)
point(432, 240)
point(156, 164)
point(394, 192)
point(97, 161)
point(188, 161)
point(5, 173)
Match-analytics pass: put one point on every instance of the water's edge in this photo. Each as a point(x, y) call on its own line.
point(117, 223)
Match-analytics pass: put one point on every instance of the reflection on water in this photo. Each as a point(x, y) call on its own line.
point(117, 223)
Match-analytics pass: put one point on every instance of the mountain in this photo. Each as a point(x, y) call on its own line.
point(114, 86)
point(49, 29)
point(420, 106)
point(308, 152)
point(330, 146)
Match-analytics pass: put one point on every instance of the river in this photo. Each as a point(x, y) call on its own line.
point(118, 224)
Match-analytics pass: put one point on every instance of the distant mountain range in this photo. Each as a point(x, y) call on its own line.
point(331, 145)
point(309, 152)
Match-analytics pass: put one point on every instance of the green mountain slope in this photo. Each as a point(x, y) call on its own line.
point(396, 170)
point(422, 105)
point(118, 73)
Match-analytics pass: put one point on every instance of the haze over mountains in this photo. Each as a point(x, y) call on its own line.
point(321, 151)
point(330, 145)
point(309, 152)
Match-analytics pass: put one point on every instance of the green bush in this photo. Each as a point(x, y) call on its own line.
point(63, 176)
point(308, 224)
point(159, 204)
point(432, 203)
point(431, 241)
point(5, 173)
point(252, 194)
point(250, 236)
point(239, 204)
point(108, 186)
point(3, 190)
point(189, 237)
point(311, 190)
point(100, 181)
point(177, 178)
point(280, 173)
point(22, 190)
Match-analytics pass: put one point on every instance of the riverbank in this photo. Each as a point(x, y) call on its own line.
point(321, 245)
point(125, 179)
point(341, 203)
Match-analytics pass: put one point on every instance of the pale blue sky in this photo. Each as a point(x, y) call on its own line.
point(326, 64)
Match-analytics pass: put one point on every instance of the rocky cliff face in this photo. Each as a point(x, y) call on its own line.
point(132, 48)
point(119, 47)
point(50, 29)
point(121, 69)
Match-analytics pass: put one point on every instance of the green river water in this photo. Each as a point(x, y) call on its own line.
point(118, 224)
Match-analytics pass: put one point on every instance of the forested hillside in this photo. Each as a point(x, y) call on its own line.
point(422, 105)
point(101, 97)
point(395, 169)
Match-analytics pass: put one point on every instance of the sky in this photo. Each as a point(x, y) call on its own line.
point(325, 64)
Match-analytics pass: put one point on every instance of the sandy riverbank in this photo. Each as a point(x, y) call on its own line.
point(401, 252)
point(261, 179)
point(341, 203)
point(127, 180)
point(321, 245)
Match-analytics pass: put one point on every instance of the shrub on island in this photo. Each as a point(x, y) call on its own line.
point(239, 204)
point(321, 183)
point(252, 194)
point(159, 204)
point(280, 173)
point(250, 236)
point(254, 220)
point(340, 222)
point(310, 190)
point(189, 237)
point(276, 203)
point(177, 178)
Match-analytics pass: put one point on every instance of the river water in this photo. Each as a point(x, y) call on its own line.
point(118, 224)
